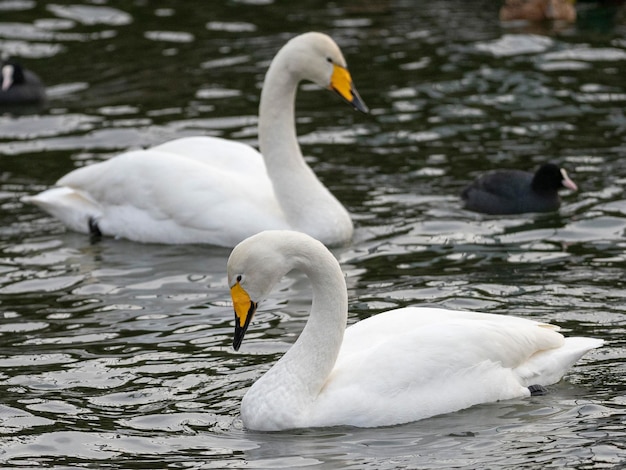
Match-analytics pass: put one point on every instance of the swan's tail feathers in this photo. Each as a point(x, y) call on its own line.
point(75, 208)
point(548, 367)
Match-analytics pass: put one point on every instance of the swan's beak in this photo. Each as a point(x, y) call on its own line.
point(341, 82)
point(244, 311)
point(567, 182)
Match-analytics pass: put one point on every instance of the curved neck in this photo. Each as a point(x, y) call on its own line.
point(277, 133)
point(305, 367)
point(318, 346)
point(295, 184)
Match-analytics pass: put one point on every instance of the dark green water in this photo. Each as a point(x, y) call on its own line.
point(117, 355)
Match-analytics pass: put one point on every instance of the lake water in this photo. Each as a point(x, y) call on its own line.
point(118, 355)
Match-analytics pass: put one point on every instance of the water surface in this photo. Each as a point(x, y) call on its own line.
point(115, 354)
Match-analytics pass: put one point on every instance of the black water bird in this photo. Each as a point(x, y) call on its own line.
point(19, 86)
point(516, 191)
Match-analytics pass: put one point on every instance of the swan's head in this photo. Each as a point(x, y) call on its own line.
point(316, 57)
point(256, 265)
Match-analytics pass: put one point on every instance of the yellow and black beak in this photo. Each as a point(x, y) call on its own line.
point(341, 82)
point(244, 311)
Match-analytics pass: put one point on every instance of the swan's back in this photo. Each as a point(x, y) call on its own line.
point(179, 192)
point(412, 363)
point(217, 153)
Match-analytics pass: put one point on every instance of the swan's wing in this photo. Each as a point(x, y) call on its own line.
point(163, 196)
point(417, 362)
point(433, 337)
point(217, 153)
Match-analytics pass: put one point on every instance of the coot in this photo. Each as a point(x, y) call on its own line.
point(516, 191)
point(19, 86)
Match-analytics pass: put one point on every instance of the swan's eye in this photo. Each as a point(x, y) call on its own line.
point(329, 60)
point(239, 277)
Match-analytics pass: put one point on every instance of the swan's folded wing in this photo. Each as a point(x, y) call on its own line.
point(428, 339)
point(217, 153)
point(437, 361)
point(156, 195)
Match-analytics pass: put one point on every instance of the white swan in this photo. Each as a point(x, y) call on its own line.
point(212, 190)
point(399, 366)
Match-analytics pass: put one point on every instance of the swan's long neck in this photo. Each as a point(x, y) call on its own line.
point(290, 387)
point(308, 206)
point(317, 348)
point(277, 133)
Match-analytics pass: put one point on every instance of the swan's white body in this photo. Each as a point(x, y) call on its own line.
point(212, 190)
point(399, 366)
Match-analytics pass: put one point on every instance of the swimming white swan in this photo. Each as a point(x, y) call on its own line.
point(217, 191)
point(395, 367)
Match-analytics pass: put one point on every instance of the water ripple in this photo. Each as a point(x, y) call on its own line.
point(121, 354)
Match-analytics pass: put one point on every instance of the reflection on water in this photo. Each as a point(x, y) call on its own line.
point(119, 354)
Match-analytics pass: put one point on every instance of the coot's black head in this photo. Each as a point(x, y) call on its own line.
point(550, 177)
